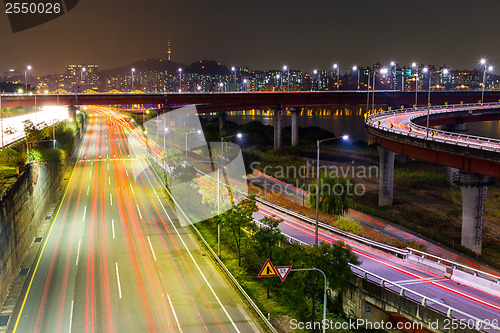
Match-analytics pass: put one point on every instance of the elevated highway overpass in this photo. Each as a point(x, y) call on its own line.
point(245, 100)
point(477, 158)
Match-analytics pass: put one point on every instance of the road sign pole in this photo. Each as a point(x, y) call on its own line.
point(324, 296)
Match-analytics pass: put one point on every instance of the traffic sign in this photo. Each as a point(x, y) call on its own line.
point(268, 270)
point(283, 271)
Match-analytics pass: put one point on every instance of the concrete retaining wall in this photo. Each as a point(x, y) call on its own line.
point(22, 210)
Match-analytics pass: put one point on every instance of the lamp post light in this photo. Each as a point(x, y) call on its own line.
point(245, 84)
point(239, 136)
point(318, 142)
point(394, 70)
point(221, 86)
point(278, 81)
point(28, 68)
point(316, 72)
point(355, 69)
point(384, 72)
point(133, 70)
point(336, 67)
point(82, 70)
point(233, 69)
point(414, 65)
point(485, 68)
point(180, 79)
point(285, 68)
point(444, 71)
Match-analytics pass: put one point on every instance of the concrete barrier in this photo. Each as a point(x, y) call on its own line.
point(476, 282)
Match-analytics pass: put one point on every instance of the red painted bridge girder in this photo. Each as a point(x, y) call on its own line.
point(251, 100)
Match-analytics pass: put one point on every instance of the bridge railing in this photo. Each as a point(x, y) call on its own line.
point(459, 139)
point(440, 307)
point(456, 265)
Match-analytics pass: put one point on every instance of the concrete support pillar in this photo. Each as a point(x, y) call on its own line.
point(452, 173)
point(277, 125)
point(473, 188)
point(386, 179)
point(222, 119)
point(295, 127)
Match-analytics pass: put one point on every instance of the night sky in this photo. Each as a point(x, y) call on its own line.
point(260, 34)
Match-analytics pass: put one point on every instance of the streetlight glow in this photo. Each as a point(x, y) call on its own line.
point(345, 137)
point(239, 135)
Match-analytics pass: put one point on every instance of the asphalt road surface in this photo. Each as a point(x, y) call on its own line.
point(116, 258)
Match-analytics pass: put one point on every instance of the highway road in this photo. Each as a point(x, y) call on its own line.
point(116, 259)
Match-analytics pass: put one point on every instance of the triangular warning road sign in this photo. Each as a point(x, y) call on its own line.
point(283, 271)
point(268, 270)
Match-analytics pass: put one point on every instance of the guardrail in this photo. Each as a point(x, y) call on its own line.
point(380, 246)
point(221, 264)
point(449, 311)
point(456, 265)
point(482, 142)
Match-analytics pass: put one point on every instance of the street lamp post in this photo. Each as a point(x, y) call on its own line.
point(316, 72)
point(355, 68)
point(245, 84)
point(180, 79)
point(133, 70)
point(394, 70)
point(238, 135)
point(445, 71)
point(233, 69)
point(337, 68)
point(81, 77)
point(278, 82)
point(384, 72)
point(414, 65)
point(483, 62)
point(221, 85)
point(28, 68)
point(368, 93)
point(318, 142)
point(198, 132)
point(285, 68)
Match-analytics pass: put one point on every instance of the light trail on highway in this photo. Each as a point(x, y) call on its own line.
point(116, 258)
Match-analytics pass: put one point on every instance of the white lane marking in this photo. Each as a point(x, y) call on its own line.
point(118, 281)
point(192, 258)
point(109, 180)
point(88, 188)
point(175, 314)
point(126, 171)
point(132, 188)
point(71, 315)
point(139, 210)
point(151, 246)
point(84, 212)
point(113, 227)
point(78, 252)
point(90, 176)
point(111, 199)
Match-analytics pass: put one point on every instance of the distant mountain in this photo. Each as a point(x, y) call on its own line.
point(205, 67)
point(144, 66)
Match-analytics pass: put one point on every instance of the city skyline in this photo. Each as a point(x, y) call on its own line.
point(260, 35)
